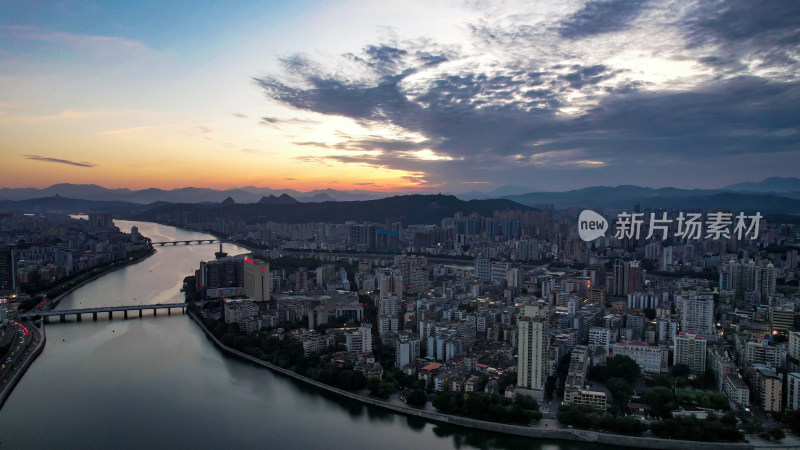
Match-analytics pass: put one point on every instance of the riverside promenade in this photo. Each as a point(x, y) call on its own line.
point(587, 436)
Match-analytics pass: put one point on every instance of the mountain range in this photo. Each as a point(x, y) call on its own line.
point(247, 194)
point(770, 196)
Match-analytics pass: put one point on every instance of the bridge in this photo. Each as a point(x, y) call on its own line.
point(189, 242)
point(78, 313)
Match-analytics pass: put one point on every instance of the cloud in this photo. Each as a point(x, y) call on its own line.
point(557, 103)
point(290, 179)
point(275, 122)
point(312, 144)
point(85, 44)
point(746, 34)
point(60, 161)
point(239, 115)
point(600, 16)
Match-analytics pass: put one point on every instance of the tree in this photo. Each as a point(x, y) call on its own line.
point(660, 400)
point(350, 380)
point(417, 397)
point(681, 370)
point(526, 402)
point(620, 366)
point(792, 419)
point(661, 380)
point(621, 391)
point(774, 434)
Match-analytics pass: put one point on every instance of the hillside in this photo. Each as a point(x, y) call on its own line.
point(416, 209)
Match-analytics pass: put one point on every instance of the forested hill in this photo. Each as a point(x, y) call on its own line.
point(416, 209)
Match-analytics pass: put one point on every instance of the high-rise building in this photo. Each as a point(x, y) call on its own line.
point(628, 277)
point(413, 273)
point(690, 349)
point(666, 259)
point(697, 312)
point(360, 340)
point(222, 272)
point(532, 347)
point(600, 337)
point(781, 319)
point(793, 391)
point(770, 388)
point(483, 269)
point(391, 282)
point(794, 345)
point(407, 349)
point(8, 269)
point(256, 279)
point(746, 278)
point(101, 220)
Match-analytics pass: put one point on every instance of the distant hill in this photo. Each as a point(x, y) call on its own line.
point(68, 205)
point(416, 209)
point(284, 199)
point(500, 192)
point(249, 194)
point(774, 184)
point(625, 197)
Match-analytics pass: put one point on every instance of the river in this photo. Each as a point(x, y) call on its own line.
point(158, 382)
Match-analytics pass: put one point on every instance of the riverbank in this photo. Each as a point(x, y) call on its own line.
point(38, 334)
point(54, 302)
point(515, 430)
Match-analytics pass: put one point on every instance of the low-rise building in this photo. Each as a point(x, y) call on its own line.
point(652, 359)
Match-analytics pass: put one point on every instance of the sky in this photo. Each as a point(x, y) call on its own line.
point(399, 96)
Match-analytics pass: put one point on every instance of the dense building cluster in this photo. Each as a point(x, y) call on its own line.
point(40, 251)
point(517, 304)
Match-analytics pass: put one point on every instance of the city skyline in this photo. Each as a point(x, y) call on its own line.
point(399, 97)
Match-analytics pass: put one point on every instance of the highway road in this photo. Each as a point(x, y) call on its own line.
point(23, 343)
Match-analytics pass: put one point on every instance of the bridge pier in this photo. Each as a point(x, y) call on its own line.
point(140, 313)
point(94, 316)
point(154, 312)
point(78, 316)
point(110, 317)
point(169, 311)
point(126, 313)
point(46, 319)
point(62, 317)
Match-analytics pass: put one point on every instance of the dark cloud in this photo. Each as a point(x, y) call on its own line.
point(60, 161)
point(600, 16)
point(740, 28)
point(583, 76)
point(518, 120)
